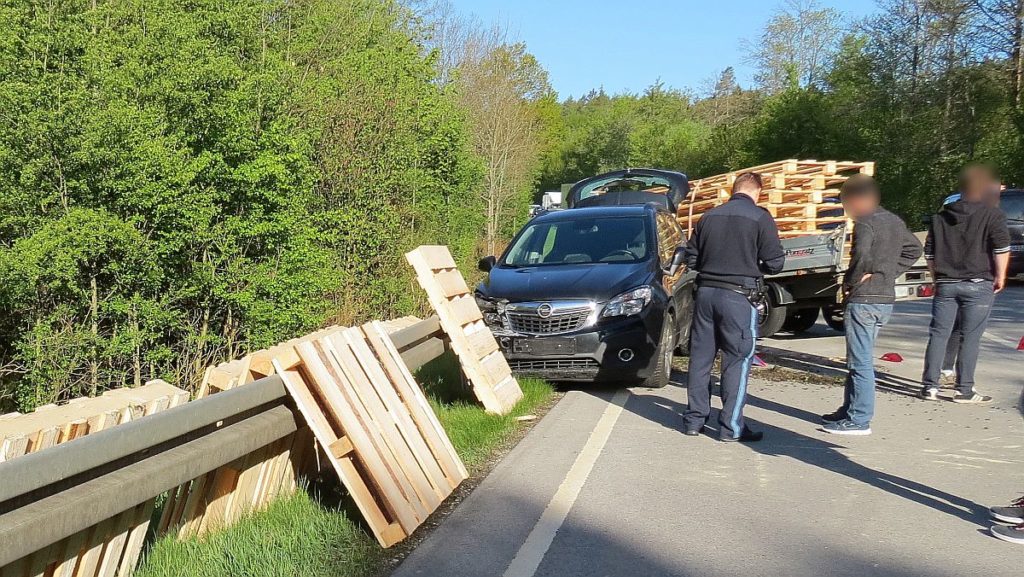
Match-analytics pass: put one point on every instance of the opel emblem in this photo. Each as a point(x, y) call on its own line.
point(544, 311)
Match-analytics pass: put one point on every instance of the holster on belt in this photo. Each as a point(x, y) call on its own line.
point(756, 295)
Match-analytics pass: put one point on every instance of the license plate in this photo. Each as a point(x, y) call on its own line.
point(549, 346)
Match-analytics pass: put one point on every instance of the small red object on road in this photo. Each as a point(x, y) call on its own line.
point(757, 362)
point(1020, 346)
point(892, 357)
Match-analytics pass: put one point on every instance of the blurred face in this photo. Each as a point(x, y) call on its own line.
point(860, 205)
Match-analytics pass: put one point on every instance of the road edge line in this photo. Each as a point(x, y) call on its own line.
point(537, 543)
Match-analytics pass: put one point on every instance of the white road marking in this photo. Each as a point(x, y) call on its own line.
point(537, 543)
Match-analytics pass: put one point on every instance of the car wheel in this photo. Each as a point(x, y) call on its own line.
point(770, 318)
point(834, 317)
point(663, 368)
point(800, 320)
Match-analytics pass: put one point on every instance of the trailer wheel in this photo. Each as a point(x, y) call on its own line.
point(834, 317)
point(770, 318)
point(800, 320)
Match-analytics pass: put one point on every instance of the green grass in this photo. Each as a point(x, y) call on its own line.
point(297, 537)
point(293, 537)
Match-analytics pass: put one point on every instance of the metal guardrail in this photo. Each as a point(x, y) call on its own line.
point(55, 493)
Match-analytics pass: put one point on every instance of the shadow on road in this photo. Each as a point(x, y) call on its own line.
point(828, 367)
point(813, 451)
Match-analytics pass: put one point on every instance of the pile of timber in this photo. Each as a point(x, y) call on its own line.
point(802, 195)
point(369, 418)
point(112, 547)
point(370, 421)
point(365, 418)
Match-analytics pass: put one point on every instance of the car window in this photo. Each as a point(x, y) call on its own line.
point(1013, 205)
point(669, 237)
point(654, 184)
point(578, 241)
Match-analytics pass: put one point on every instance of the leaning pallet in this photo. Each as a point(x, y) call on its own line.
point(378, 431)
point(482, 361)
point(113, 546)
point(802, 195)
point(221, 497)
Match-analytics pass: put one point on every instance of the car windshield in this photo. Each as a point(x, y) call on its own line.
point(632, 182)
point(1013, 205)
point(581, 240)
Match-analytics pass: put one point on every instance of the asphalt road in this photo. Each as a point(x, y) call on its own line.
point(607, 485)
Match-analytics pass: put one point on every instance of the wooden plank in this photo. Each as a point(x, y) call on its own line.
point(419, 407)
point(136, 538)
point(388, 445)
point(451, 283)
point(464, 310)
point(482, 343)
point(437, 257)
point(426, 466)
point(341, 448)
point(114, 549)
point(415, 333)
point(225, 479)
point(325, 382)
point(423, 353)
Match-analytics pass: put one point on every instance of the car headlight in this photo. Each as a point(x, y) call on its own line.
point(628, 303)
point(490, 310)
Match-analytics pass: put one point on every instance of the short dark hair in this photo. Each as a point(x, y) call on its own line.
point(745, 179)
point(859, 185)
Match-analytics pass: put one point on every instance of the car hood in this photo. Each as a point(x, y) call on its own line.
point(599, 282)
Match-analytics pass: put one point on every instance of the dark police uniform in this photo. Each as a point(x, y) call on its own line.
point(733, 246)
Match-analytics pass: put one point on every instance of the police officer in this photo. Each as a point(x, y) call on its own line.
point(733, 246)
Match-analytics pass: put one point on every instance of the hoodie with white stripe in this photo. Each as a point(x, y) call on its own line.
point(963, 238)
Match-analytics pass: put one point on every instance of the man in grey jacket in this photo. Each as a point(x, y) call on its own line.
point(882, 250)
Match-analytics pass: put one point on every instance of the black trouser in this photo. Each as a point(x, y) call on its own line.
point(723, 320)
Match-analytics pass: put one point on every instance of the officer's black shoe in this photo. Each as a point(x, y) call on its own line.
point(747, 436)
point(692, 431)
point(839, 415)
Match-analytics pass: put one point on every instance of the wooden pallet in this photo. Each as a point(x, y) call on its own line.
point(223, 496)
point(796, 193)
point(377, 429)
point(112, 547)
point(482, 361)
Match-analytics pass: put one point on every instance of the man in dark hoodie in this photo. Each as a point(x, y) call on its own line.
point(968, 251)
point(882, 250)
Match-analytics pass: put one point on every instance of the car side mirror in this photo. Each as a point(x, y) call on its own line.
point(486, 264)
point(678, 259)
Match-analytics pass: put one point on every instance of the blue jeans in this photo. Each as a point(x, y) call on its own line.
point(863, 321)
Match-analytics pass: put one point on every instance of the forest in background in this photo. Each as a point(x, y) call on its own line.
point(184, 181)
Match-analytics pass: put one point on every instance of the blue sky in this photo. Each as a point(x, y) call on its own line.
point(626, 45)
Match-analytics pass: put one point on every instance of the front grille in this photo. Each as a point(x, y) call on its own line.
point(531, 323)
point(553, 365)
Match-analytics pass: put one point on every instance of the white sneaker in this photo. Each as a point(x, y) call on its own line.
point(946, 373)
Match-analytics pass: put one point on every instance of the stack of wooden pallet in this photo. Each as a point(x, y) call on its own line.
point(367, 418)
point(802, 195)
point(112, 547)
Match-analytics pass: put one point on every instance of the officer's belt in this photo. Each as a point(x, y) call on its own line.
point(725, 285)
point(755, 295)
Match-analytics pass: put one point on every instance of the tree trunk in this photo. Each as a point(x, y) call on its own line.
point(94, 364)
point(1017, 53)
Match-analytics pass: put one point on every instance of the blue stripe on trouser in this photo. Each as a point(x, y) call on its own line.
point(742, 390)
